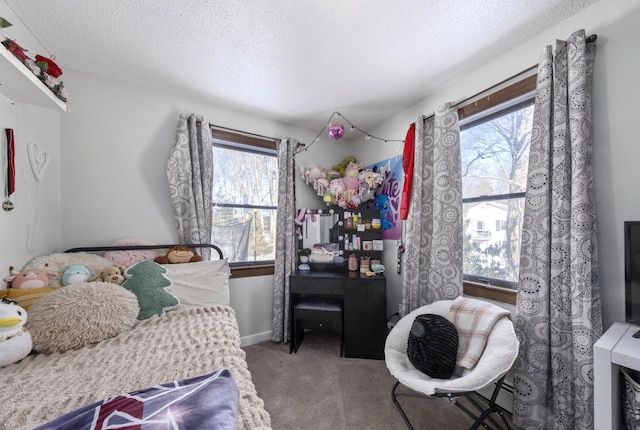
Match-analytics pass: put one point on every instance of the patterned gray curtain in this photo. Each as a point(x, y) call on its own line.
point(286, 259)
point(558, 316)
point(190, 174)
point(432, 236)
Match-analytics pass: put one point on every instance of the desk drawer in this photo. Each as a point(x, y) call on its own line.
point(332, 287)
point(322, 326)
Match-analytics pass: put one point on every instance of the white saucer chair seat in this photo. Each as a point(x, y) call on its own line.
point(498, 357)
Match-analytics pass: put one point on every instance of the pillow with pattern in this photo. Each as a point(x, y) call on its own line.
point(211, 401)
point(129, 258)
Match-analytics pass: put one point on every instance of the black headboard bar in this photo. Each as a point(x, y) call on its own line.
point(139, 247)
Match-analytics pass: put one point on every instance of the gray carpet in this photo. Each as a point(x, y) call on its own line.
point(316, 389)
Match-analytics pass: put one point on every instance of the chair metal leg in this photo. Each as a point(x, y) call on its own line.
point(479, 420)
point(485, 413)
point(395, 402)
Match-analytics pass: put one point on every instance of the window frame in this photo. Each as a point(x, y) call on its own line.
point(476, 287)
point(239, 141)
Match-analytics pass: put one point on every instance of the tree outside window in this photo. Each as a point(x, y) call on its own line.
point(495, 155)
point(244, 196)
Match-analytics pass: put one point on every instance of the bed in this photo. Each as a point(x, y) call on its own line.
point(182, 368)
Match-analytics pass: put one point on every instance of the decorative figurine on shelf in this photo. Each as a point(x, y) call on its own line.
point(303, 254)
point(17, 50)
point(48, 65)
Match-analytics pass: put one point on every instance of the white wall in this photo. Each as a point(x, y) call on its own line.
point(615, 134)
point(33, 227)
point(115, 145)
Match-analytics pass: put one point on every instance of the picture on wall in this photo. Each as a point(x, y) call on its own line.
point(387, 196)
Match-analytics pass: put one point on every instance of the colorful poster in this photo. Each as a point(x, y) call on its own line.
point(387, 197)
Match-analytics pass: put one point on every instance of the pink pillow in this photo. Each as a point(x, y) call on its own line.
point(129, 258)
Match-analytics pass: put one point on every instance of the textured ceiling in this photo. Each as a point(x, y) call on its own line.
point(293, 61)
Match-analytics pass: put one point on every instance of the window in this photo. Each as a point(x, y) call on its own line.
point(495, 156)
point(244, 198)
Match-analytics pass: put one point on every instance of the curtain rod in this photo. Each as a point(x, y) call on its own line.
point(592, 38)
point(244, 132)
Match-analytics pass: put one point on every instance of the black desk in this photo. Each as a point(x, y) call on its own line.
point(364, 306)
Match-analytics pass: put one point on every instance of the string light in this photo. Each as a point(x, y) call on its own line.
point(333, 119)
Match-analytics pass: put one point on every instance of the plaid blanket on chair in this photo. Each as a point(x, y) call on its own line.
point(474, 320)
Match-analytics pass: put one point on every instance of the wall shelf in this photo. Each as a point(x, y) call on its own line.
point(19, 84)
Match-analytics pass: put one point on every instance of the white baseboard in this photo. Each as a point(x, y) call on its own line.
point(255, 338)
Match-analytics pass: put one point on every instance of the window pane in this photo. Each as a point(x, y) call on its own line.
point(495, 154)
point(495, 158)
point(244, 178)
point(245, 235)
point(493, 254)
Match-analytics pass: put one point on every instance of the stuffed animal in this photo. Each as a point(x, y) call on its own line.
point(75, 274)
point(340, 167)
point(111, 274)
point(178, 254)
point(313, 173)
point(30, 278)
point(371, 178)
point(336, 187)
point(15, 341)
point(322, 186)
point(353, 169)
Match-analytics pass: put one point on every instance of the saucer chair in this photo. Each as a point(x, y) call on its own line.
point(497, 358)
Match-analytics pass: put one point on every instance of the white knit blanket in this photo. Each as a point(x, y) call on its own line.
point(474, 320)
point(178, 345)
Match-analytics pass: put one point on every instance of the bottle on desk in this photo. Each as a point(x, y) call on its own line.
point(353, 263)
point(348, 223)
point(364, 264)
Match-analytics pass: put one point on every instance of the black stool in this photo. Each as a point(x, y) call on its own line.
point(321, 311)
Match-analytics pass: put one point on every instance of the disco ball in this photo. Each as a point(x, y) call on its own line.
point(336, 130)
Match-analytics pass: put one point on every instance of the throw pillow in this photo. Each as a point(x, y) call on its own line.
point(81, 314)
point(131, 257)
point(204, 283)
point(148, 282)
point(26, 297)
point(205, 402)
point(433, 345)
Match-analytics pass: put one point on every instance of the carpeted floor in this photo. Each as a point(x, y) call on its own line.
point(316, 389)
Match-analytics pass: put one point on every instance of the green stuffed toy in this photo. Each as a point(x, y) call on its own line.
point(340, 167)
point(148, 282)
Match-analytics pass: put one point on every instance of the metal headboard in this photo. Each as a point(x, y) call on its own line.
point(143, 247)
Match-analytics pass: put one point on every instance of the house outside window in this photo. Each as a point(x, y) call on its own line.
point(244, 198)
point(495, 155)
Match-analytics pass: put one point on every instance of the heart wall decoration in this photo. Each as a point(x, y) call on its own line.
point(38, 159)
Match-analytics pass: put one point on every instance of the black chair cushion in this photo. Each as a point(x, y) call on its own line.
point(433, 345)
